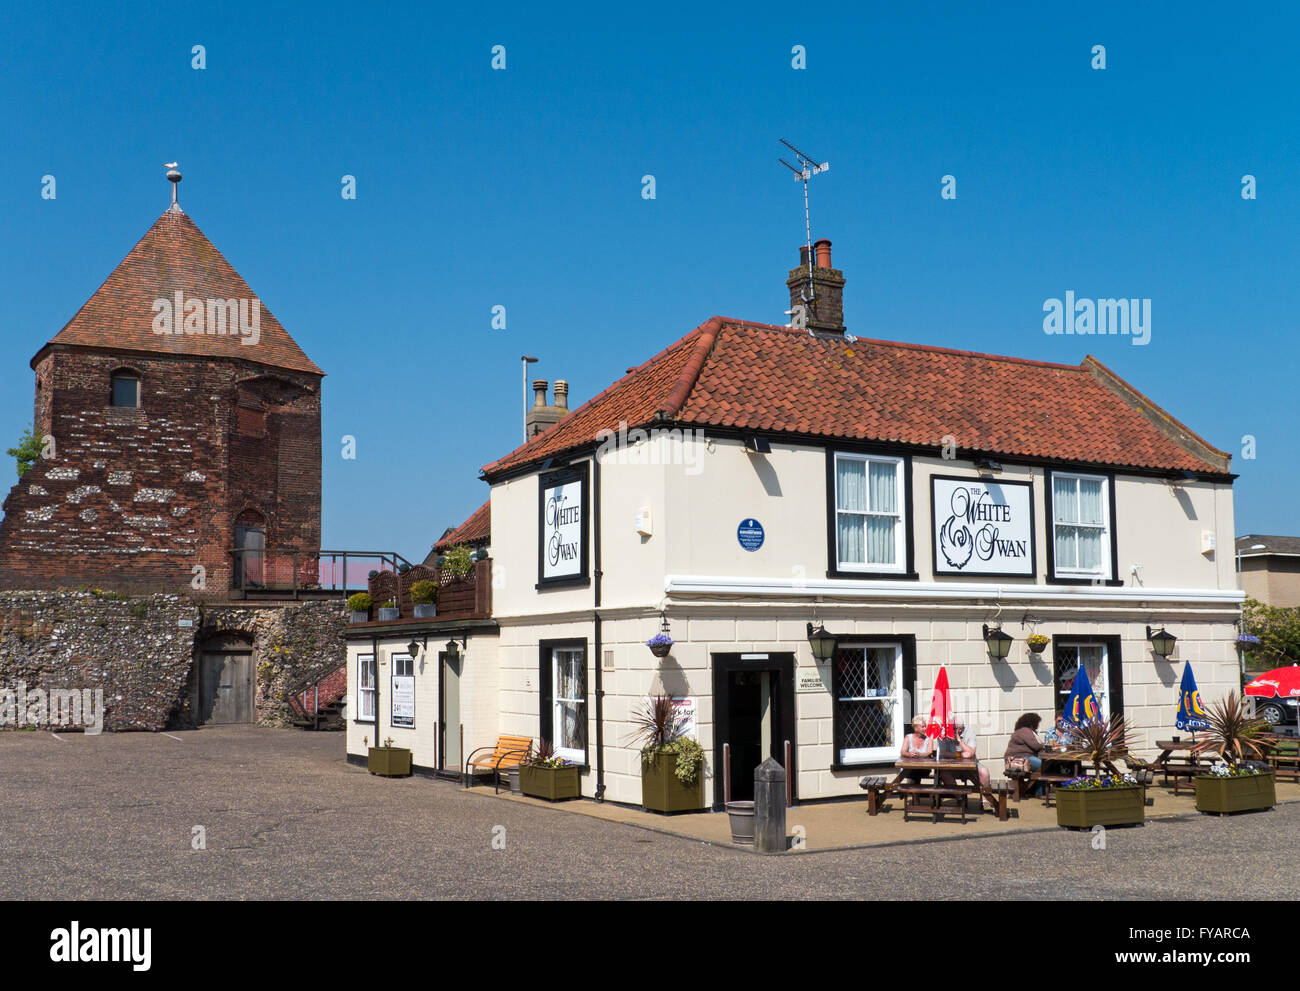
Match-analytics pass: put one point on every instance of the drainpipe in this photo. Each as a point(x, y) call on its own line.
point(595, 617)
point(374, 653)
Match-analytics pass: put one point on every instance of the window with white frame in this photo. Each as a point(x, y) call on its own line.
point(366, 688)
point(569, 703)
point(1080, 525)
point(868, 715)
point(869, 520)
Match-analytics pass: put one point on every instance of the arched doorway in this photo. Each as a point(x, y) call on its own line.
point(226, 686)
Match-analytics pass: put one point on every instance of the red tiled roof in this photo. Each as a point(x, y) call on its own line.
point(475, 530)
point(740, 375)
point(175, 255)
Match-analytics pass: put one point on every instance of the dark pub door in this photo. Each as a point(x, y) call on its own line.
point(753, 705)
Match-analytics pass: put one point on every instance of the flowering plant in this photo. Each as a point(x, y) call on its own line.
point(660, 640)
point(1099, 781)
point(1037, 640)
point(1235, 770)
point(546, 756)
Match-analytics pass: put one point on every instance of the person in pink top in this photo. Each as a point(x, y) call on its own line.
point(916, 744)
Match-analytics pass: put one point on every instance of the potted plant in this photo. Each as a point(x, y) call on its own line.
point(660, 644)
point(389, 761)
point(389, 610)
point(425, 596)
point(1037, 642)
point(359, 606)
point(458, 562)
point(545, 774)
point(672, 765)
point(1104, 798)
point(1238, 784)
point(1100, 800)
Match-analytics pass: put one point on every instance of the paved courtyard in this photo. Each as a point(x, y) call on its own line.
point(284, 816)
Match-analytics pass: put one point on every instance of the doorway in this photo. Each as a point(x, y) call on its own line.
point(226, 693)
point(450, 758)
point(753, 704)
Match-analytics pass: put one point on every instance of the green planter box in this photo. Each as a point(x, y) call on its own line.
point(662, 792)
point(391, 762)
point(550, 783)
point(1252, 791)
point(1088, 807)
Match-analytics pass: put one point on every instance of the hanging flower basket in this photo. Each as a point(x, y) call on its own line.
point(660, 644)
point(1037, 643)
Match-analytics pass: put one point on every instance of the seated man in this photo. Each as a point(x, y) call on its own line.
point(967, 748)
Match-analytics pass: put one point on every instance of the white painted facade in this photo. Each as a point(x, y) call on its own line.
point(721, 598)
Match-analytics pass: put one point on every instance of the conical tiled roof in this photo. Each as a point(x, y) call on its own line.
point(175, 256)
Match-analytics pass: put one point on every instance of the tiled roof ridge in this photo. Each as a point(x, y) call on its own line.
point(619, 383)
point(938, 349)
point(690, 373)
point(1169, 425)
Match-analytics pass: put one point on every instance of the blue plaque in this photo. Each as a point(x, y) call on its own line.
point(750, 534)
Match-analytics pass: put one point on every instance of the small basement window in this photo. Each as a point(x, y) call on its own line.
point(126, 391)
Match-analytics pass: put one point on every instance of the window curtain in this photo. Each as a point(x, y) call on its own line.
point(851, 494)
point(884, 499)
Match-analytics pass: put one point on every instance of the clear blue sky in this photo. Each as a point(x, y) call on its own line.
point(523, 188)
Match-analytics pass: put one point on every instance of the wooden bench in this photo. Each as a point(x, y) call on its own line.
point(1180, 770)
point(876, 789)
point(510, 751)
point(1049, 783)
point(913, 793)
point(1284, 758)
point(1001, 790)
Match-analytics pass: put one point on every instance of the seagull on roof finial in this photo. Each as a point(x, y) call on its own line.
point(174, 177)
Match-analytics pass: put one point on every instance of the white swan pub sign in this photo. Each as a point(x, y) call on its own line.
point(982, 527)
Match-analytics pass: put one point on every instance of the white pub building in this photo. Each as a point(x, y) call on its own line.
point(751, 482)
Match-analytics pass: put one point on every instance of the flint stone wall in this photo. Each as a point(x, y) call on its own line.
point(137, 650)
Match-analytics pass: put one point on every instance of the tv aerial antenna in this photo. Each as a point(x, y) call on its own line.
point(808, 167)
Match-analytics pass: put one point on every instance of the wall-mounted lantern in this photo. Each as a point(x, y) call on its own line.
point(453, 649)
point(823, 643)
point(997, 642)
point(1162, 641)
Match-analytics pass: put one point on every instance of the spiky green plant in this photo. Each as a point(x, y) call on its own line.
point(656, 724)
point(1098, 741)
point(1232, 734)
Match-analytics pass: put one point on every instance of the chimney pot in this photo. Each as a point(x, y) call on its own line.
point(539, 392)
point(561, 394)
point(823, 249)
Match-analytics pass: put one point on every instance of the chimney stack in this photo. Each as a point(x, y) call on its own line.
point(542, 417)
point(823, 301)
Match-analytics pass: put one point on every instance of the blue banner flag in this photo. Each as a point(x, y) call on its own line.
point(1081, 706)
point(1191, 714)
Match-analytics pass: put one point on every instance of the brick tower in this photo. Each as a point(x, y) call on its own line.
point(185, 422)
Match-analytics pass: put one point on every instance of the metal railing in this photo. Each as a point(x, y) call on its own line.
point(279, 570)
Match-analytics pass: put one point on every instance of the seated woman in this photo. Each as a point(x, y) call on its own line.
point(915, 744)
point(1024, 743)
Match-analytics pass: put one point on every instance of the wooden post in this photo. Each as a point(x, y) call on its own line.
point(769, 807)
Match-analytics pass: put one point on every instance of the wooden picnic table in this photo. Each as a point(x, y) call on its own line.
point(1283, 755)
point(963, 781)
point(1179, 767)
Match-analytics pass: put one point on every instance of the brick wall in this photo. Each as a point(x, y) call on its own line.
point(138, 497)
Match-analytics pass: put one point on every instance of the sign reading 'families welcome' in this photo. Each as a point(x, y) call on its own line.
point(982, 527)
